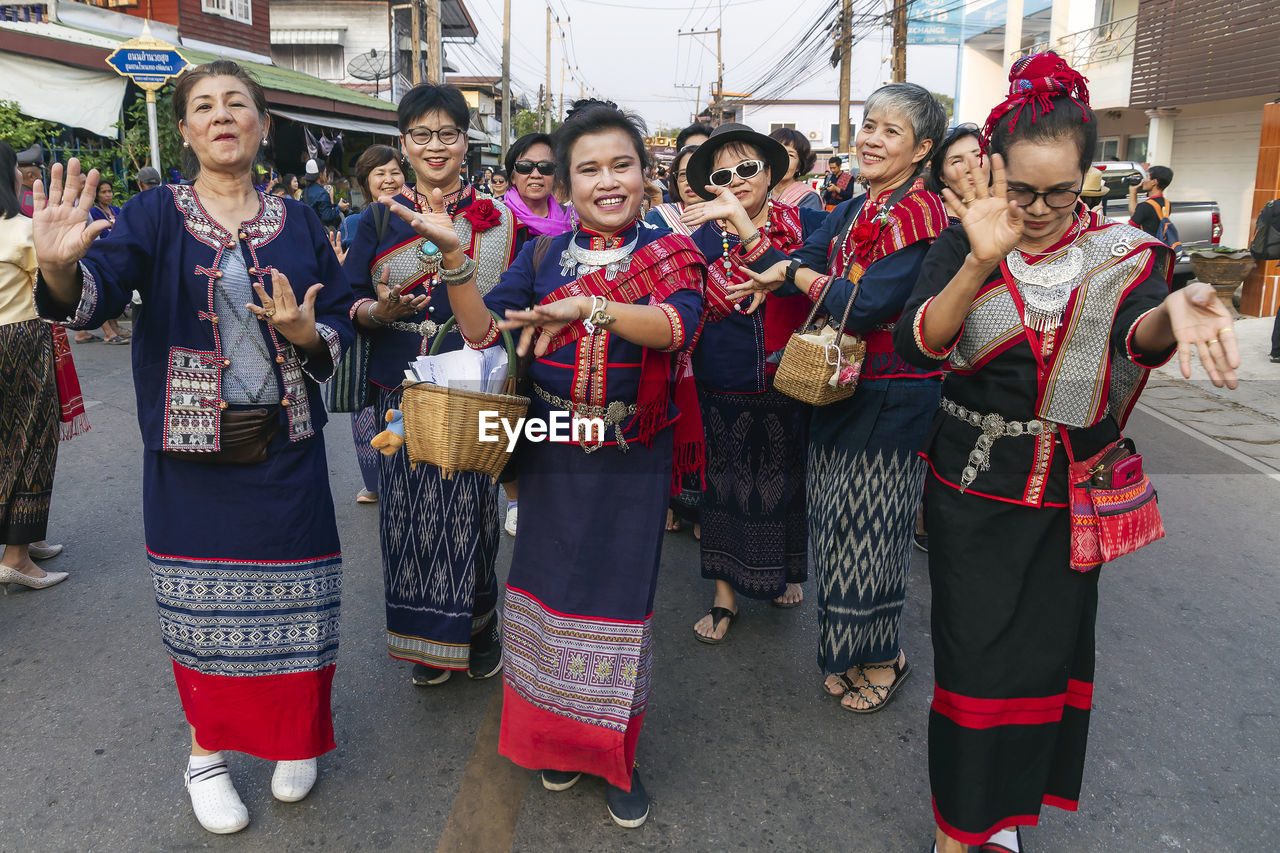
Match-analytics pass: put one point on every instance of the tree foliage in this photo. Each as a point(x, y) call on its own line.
point(529, 121)
point(135, 144)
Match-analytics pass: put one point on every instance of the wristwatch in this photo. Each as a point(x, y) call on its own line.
point(791, 270)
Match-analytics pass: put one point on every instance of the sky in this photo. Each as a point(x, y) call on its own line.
point(630, 52)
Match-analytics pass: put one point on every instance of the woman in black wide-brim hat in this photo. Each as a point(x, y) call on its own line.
point(754, 522)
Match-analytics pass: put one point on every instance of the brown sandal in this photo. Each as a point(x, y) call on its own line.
point(880, 693)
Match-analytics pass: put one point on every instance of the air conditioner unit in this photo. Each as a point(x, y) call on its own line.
point(813, 134)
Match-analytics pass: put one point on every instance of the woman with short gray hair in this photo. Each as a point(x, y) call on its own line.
point(864, 474)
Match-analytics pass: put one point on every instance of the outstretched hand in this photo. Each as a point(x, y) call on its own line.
point(725, 206)
point(993, 224)
point(759, 285)
point(280, 308)
point(434, 223)
point(541, 323)
point(1200, 320)
point(60, 221)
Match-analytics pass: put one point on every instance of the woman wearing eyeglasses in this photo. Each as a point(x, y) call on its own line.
point(1050, 318)
point(754, 541)
point(667, 215)
point(531, 169)
point(864, 471)
point(439, 537)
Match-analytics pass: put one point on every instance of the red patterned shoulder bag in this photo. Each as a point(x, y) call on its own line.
point(1114, 508)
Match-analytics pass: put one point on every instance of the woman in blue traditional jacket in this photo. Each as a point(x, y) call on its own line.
point(244, 310)
point(754, 537)
point(614, 302)
point(864, 471)
point(439, 536)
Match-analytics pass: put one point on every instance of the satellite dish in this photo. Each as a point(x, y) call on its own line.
point(370, 66)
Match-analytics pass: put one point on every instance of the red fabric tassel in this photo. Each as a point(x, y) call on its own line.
point(71, 404)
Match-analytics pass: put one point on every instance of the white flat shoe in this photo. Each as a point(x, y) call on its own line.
point(293, 780)
point(214, 799)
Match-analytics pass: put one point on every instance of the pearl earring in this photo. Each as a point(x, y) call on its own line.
point(266, 141)
point(186, 144)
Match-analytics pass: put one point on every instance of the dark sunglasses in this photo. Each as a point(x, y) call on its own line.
point(1057, 199)
point(544, 167)
point(746, 170)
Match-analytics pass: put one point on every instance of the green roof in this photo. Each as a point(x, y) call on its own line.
point(275, 77)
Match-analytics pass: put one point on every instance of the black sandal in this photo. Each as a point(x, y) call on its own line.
point(880, 693)
point(718, 614)
point(844, 680)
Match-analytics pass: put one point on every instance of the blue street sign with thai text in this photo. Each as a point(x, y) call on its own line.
point(147, 66)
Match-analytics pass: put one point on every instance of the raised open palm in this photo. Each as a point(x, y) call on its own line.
point(60, 222)
point(434, 223)
point(992, 223)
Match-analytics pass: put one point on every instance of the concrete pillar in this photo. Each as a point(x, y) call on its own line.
point(1059, 23)
point(1160, 135)
point(1012, 32)
point(1261, 296)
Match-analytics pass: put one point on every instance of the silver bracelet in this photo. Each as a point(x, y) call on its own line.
point(373, 319)
point(460, 275)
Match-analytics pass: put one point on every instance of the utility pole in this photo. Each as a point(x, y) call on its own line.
point(844, 44)
point(717, 98)
point(900, 40)
point(697, 98)
point(546, 118)
point(506, 77)
point(561, 81)
point(435, 55)
point(415, 40)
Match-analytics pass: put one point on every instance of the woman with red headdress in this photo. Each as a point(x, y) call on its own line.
point(1050, 318)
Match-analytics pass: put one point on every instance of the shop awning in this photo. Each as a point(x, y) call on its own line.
point(76, 97)
point(373, 127)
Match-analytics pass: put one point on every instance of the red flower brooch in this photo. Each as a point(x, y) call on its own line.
point(865, 235)
point(483, 214)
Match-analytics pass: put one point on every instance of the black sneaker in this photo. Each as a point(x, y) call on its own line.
point(429, 676)
point(486, 654)
point(922, 541)
point(559, 780)
point(628, 808)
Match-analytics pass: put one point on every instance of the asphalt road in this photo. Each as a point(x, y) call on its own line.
point(740, 749)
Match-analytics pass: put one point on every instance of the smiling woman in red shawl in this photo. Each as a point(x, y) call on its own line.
point(614, 302)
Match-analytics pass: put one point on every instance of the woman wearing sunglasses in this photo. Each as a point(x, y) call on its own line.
point(439, 536)
point(531, 169)
point(864, 472)
point(754, 540)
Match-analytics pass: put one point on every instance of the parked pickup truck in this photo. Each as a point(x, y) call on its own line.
point(1199, 223)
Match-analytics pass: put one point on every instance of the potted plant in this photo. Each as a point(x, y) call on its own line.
point(1224, 268)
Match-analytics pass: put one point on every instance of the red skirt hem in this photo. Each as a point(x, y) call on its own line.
point(975, 838)
point(274, 717)
point(538, 739)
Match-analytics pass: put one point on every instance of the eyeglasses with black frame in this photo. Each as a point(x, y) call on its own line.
point(526, 167)
point(423, 135)
point(1057, 199)
point(746, 170)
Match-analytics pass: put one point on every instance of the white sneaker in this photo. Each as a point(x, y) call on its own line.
point(293, 779)
point(510, 526)
point(214, 799)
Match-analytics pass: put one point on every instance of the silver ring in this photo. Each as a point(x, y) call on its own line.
point(393, 299)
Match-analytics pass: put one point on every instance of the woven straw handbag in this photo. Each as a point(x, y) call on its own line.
point(806, 368)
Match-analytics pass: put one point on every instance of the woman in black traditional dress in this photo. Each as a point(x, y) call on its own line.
point(1050, 317)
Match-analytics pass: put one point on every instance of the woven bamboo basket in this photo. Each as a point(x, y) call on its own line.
point(804, 373)
point(442, 425)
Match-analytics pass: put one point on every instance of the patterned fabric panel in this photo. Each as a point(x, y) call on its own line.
point(594, 671)
point(192, 401)
point(226, 617)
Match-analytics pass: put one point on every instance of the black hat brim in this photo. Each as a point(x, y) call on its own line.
point(698, 170)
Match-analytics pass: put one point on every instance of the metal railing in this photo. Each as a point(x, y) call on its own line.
point(1107, 42)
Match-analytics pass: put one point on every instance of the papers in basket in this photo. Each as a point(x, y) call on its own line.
point(843, 371)
point(466, 369)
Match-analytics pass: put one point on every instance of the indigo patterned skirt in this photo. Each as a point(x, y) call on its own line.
point(247, 572)
point(754, 524)
point(1013, 640)
point(864, 477)
point(28, 430)
point(577, 624)
point(365, 424)
point(439, 549)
